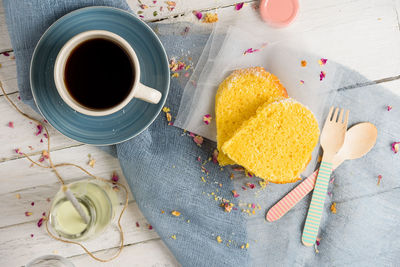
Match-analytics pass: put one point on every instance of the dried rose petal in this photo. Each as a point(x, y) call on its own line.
point(150, 227)
point(333, 208)
point(39, 128)
point(11, 124)
point(137, 224)
point(238, 169)
point(389, 108)
point(181, 66)
point(28, 213)
point(322, 75)
point(44, 214)
point(186, 74)
point(248, 51)
point(45, 154)
point(154, 1)
point(186, 30)
point(203, 169)
point(168, 116)
point(171, 5)
point(175, 213)
point(143, 6)
point(207, 119)
point(301, 82)
point(31, 235)
point(227, 206)
point(210, 18)
point(395, 147)
point(18, 151)
point(322, 61)
point(250, 185)
point(235, 194)
point(253, 206)
point(239, 6)
point(91, 162)
point(379, 179)
point(32, 203)
point(6, 54)
point(248, 174)
point(198, 139)
point(41, 140)
point(215, 156)
point(45, 135)
point(40, 222)
point(115, 177)
point(198, 14)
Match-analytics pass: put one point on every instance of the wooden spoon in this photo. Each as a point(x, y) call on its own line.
point(359, 140)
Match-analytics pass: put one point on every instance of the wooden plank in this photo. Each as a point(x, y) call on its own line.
point(35, 184)
point(23, 134)
point(5, 43)
point(17, 247)
point(182, 7)
point(8, 73)
point(363, 35)
point(148, 253)
point(17, 175)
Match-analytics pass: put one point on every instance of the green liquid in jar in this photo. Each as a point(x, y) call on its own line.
point(96, 199)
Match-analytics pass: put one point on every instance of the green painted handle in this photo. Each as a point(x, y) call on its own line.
point(314, 215)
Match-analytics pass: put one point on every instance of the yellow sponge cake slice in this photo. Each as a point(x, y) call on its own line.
point(276, 143)
point(238, 98)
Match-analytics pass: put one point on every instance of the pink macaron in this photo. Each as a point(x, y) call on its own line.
point(279, 13)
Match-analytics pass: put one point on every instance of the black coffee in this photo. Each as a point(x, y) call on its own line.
point(99, 74)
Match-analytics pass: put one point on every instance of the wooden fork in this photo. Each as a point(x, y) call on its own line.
point(332, 138)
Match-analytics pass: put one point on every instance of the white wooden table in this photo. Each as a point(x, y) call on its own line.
point(361, 34)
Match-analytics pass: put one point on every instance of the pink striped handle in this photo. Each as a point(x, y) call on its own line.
point(292, 198)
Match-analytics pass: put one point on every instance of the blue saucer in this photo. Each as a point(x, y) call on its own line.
point(116, 127)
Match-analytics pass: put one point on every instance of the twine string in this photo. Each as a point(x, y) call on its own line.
point(54, 167)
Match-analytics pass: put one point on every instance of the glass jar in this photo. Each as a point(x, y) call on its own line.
point(97, 199)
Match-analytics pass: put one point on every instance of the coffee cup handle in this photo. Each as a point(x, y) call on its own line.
point(147, 94)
